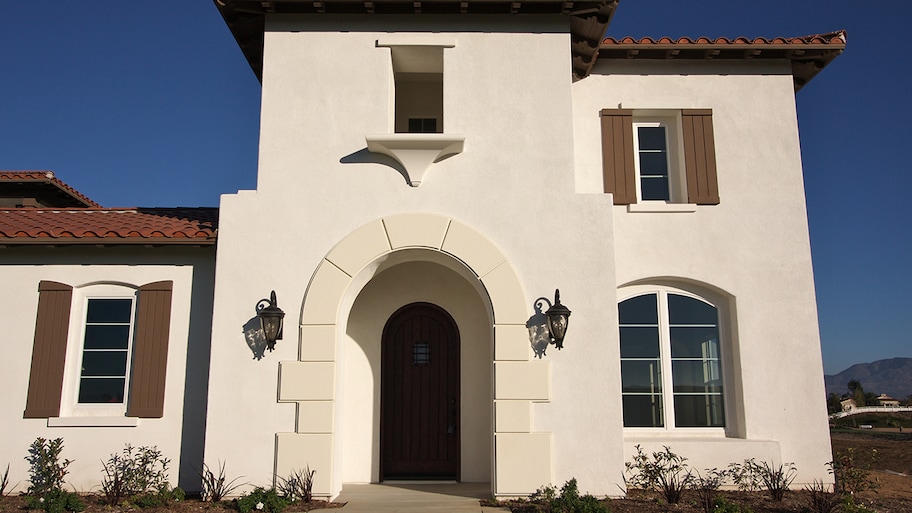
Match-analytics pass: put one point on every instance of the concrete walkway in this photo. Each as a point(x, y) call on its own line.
point(410, 497)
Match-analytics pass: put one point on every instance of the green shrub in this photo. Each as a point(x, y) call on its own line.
point(822, 500)
point(56, 501)
point(723, 505)
point(665, 472)
point(775, 478)
point(707, 487)
point(850, 506)
point(267, 501)
point(852, 476)
point(135, 471)
point(46, 469)
point(216, 487)
point(298, 485)
point(160, 499)
point(570, 501)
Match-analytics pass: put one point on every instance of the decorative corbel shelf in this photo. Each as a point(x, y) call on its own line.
point(416, 152)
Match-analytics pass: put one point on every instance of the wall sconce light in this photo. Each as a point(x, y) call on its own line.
point(558, 320)
point(270, 319)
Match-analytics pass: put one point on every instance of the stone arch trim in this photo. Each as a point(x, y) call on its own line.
point(518, 379)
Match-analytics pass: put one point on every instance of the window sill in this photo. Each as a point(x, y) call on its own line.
point(93, 422)
point(661, 206)
point(416, 152)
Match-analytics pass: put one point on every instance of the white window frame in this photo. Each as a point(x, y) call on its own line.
point(70, 405)
point(725, 364)
point(674, 142)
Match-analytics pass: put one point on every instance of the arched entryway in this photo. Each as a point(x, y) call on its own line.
point(420, 400)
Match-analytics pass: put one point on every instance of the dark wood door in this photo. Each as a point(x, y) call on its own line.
point(419, 405)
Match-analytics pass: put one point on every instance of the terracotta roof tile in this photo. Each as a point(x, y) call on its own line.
point(49, 178)
point(808, 54)
point(109, 226)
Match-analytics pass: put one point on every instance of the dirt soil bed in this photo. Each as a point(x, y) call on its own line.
point(892, 468)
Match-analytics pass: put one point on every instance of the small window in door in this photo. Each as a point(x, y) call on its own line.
point(421, 353)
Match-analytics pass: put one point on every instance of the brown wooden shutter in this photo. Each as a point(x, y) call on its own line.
point(150, 351)
point(617, 155)
point(49, 350)
point(700, 157)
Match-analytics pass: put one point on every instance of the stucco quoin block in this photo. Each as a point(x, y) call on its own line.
point(511, 342)
point(506, 295)
point(306, 381)
point(473, 248)
point(315, 417)
point(294, 451)
point(321, 303)
point(523, 462)
point(522, 380)
point(410, 230)
point(513, 416)
point(360, 247)
point(318, 343)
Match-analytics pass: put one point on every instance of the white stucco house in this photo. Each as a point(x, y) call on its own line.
point(432, 172)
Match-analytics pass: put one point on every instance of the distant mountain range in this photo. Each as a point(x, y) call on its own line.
point(892, 376)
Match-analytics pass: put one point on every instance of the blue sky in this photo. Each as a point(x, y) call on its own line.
point(152, 104)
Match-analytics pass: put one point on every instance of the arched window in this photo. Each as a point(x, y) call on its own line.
point(671, 365)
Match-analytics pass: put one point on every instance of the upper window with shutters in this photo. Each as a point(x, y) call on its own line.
point(655, 160)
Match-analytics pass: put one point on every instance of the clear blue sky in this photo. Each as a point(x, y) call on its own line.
point(152, 104)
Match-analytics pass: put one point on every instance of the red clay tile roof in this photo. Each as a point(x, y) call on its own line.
point(47, 177)
point(197, 226)
point(808, 54)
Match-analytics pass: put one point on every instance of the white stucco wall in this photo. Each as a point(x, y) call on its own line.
point(529, 181)
point(753, 246)
point(179, 433)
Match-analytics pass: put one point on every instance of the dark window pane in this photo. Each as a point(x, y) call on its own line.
point(699, 411)
point(101, 390)
point(104, 363)
point(643, 411)
point(694, 376)
point(651, 137)
point(687, 310)
point(422, 125)
point(109, 310)
point(696, 342)
point(654, 188)
point(107, 336)
point(639, 310)
point(653, 164)
point(641, 376)
point(639, 342)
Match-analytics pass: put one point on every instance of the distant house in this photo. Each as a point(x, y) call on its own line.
point(885, 400)
point(848, 404)
point(429, 173)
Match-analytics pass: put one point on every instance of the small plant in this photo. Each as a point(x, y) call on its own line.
point(723, 505)
point(850, 506)
point(775, 478)
point(267, 501)
point(4, 481)
point(298, 485)
point(822, 499)
point(141, 470)
point(744, 475)
point(56, 501)
point(46, 469)
point(216, 487)
point(851, 476)
point(544, 494)
point(707, 487)
point(164, 497)
point(570, 501)
point(665, 472)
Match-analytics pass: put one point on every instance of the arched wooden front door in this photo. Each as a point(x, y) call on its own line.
point(419, 405)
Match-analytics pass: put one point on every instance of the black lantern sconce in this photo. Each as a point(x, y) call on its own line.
point(270, 319)
point(558, 320)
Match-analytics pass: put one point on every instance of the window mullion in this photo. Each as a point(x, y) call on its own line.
point(665, 354)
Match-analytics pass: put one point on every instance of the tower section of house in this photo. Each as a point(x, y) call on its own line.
point(429, 172)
